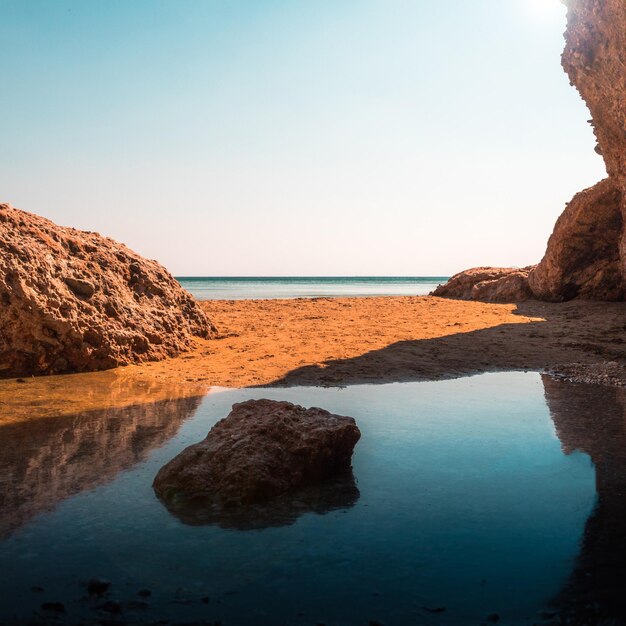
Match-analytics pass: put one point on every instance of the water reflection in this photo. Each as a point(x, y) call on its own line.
point(47, 460)
point(592, 419)
point(331, 495)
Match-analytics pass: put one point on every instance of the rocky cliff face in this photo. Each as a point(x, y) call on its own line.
point(74, 301)
point(582, 259)
point(586, 254)
point(595, 61)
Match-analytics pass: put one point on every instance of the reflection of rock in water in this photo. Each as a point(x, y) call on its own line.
point(330, 495)
point(44, 461)
point(592, 419)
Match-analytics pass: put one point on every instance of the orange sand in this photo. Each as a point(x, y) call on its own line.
point(338, 341)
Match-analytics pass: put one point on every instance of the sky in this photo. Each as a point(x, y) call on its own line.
point(289, 137)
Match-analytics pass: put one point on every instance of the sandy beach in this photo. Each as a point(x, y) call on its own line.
point(340, 341)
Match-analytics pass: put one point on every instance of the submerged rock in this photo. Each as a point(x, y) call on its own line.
point(488, 284)
point(73, 301)
point(263, 452)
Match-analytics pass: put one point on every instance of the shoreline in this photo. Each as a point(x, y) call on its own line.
point(337, 342)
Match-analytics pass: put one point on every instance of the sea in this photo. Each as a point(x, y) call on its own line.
point(261, 288)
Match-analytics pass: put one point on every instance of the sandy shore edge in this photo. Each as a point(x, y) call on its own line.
point(341, 341)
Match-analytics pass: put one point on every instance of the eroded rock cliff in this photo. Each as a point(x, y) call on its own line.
point(73, 301)
point(582, 258)
point(586, 254)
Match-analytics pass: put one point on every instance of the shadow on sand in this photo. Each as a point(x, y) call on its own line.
point(565, 334)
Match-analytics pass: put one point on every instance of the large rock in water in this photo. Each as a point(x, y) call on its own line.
point(262, 450)
point(488, 284)
point(74, 301)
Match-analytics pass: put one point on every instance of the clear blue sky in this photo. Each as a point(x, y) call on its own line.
point(268, 137)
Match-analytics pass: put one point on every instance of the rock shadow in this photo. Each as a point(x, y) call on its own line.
point(586, 332)
point(45, 461)
point(592, 419)
point(338, 493)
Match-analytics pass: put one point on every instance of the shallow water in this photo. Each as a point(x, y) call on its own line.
point(476, 496)
point(240, 288)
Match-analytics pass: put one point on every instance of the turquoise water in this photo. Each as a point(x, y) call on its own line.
point(471, 497)
point(242, 288)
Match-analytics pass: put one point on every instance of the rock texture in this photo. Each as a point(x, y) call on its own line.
point(595, 61)
point(582, 259)
point(607, 373)
point(488, 284)
point(74, 301)
point(261, 451)
point(586, 254)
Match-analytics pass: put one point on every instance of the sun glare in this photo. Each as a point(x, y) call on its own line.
point(546, 9)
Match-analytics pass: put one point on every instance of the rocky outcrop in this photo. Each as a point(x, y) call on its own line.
point(74, 301)
point(488, 284)
point(582, 259)
point(260, 452)
point(595, 61)
point(586, 254)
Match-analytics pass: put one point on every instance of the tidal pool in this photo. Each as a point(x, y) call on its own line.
point(495, 494)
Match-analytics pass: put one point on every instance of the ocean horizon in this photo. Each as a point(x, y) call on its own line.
point(274, 287)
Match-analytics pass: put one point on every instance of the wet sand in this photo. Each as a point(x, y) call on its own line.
point(340, 341)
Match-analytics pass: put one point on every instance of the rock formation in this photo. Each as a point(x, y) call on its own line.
point(582, 259)
point(262, 451)
point(75, 301)
point(489, 284)
point(586, 254)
